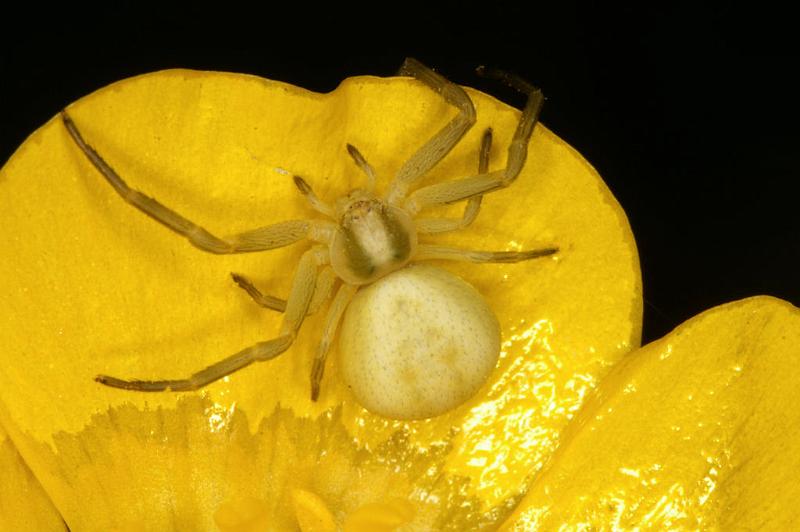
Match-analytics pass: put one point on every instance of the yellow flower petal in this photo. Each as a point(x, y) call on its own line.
point(697, 431)
point(23, 503)
point(94, 286)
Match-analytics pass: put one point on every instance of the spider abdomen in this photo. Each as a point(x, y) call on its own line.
point(417, 343)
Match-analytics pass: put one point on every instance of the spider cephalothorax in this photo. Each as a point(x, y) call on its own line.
point(372, 240)
point(415, 340)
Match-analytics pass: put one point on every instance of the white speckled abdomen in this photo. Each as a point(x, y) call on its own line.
point(417, 343)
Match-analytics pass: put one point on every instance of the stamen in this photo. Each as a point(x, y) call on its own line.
point(311, 512)
point(242, 513)
point(387, 515)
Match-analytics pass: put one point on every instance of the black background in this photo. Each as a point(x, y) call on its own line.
point(690, 114)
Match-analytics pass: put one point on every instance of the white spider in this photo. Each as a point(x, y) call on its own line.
point(416, 340)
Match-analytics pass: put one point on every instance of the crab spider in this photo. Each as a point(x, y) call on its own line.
point(367, 245)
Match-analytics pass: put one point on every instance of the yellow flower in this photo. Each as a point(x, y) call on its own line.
point(93, 286)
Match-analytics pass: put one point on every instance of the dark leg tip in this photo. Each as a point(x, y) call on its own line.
point(301, 184)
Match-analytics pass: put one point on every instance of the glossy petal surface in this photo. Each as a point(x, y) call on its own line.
point(94, 286)
point(697, 431)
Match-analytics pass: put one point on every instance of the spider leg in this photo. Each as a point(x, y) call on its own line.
point(443, 225)
point(264, 238)
point(430, 252)
point(461, 189)
point(339, 304)
point(296, 308)
point(365, 167)
point(316, 203)
point(265, 300)
point(322, 292)
point(443, 141)
point(242, 359)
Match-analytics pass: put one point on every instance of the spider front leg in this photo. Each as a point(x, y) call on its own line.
point(461, 189)
point(442, 142)
point(442, 225)
point(261, 239)
point(296, 309)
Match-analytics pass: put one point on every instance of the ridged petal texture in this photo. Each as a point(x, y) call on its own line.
point(90, 285)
